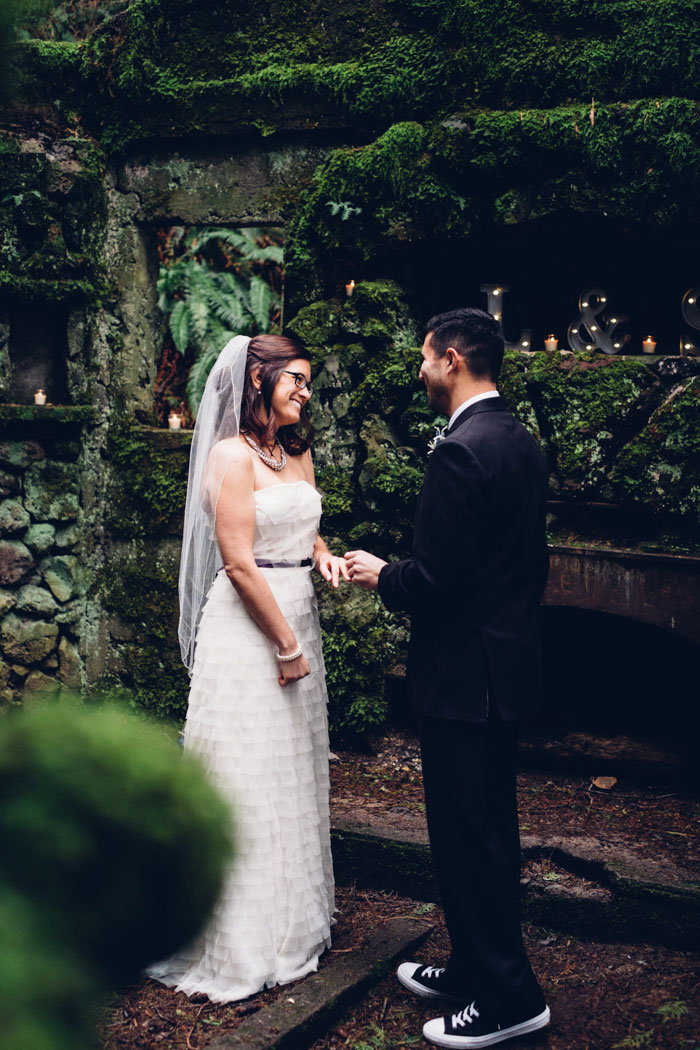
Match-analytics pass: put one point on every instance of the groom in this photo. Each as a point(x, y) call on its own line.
point(473, 587)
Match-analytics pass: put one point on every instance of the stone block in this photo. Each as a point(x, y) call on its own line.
point(13, 516)
point(35, 600)
point(68, 537)
point(120, 630)
point(60, 575)
point(40, 537)
point(39, 686)
point(70, 663)
point(69, 614)
point(15, 561)
point(68, 450)
point(7, 600)
point(9, 484)
point(4, 673)
point(52, 490)
point(50, 663)
point(20, 453)
point(27, 641)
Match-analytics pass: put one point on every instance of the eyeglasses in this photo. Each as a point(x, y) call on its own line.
point(300, 380)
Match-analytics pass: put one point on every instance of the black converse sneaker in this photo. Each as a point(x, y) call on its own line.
point(428, 981)
point(468, 1028)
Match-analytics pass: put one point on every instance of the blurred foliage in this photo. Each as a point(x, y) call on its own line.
point(215, 284)
point(112, 850)
point(67, 21)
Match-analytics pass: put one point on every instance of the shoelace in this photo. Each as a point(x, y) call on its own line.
point(465, 1016)
point(432, 971)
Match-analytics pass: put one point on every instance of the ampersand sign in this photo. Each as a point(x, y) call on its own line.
point(593, 329)
point(690, 309)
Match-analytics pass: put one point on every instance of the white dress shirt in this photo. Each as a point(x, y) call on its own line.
point(471, 401)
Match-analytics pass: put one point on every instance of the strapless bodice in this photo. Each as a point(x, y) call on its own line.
point(287, 517)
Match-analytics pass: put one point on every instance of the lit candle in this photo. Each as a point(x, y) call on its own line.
point(349, 288)
point(40, 398)
point(551, 343)
point(174, 421)
point(648, 345)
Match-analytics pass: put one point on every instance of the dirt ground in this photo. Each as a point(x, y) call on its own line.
point(650, 821)
point(602, 996)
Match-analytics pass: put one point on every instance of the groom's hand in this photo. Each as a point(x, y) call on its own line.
point(364, 568)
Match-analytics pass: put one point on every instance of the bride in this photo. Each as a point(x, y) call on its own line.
point(249, 632)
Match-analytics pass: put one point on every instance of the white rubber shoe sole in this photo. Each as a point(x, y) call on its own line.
point(404, 974)
point(434, 1031)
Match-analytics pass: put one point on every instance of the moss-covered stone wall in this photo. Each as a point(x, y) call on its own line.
point(47, 610)
point(373, 131)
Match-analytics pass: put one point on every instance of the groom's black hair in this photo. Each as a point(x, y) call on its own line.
point(474, 334)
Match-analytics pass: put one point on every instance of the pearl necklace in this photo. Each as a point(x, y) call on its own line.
point(267, 459)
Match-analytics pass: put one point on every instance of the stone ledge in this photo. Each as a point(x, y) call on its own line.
point(297, 1019)
point(166, 440)
point(641, 898)
point(51, 414)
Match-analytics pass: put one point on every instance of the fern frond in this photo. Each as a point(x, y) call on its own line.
point(260, 302)
point(197, 379)
point(179, 324)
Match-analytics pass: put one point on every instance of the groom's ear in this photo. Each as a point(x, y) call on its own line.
point(452, 357)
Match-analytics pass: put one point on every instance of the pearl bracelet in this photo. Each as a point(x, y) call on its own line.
point(292, 656)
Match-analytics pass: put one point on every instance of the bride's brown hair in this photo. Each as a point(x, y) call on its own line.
point(271, 354)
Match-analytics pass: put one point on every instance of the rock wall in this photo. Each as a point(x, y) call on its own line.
point(43, 577)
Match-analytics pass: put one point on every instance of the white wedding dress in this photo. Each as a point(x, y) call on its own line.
point(266, 748)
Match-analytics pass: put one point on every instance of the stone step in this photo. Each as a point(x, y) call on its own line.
point(294, 1021)
point(576, 885)
point(568, 749)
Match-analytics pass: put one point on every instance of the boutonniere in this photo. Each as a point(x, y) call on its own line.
point(435, 441)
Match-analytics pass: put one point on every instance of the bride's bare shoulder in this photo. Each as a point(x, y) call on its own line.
point(230, 452)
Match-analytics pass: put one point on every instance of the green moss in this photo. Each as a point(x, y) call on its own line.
point(149, 483)
point(48, 414)
point(190, 68)
point(141, 589)
point(513, 388)
point(660, 466)
point(359, 643)
point(634, 162)
point(587, 404)
point(339, 499)
point(44, 68)
point(52, 218)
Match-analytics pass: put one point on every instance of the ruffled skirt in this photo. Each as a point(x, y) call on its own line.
point(266, 749)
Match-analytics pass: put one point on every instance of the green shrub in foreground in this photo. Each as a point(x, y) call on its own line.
point(112, 851)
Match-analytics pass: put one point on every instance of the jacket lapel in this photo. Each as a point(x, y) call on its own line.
point(489, 404)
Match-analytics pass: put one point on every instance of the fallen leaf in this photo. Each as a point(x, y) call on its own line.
point(604, 783)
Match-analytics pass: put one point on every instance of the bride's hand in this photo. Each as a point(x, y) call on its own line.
point(293, 670)
point(332, 568)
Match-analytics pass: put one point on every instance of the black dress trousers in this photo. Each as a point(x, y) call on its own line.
point(471, 808)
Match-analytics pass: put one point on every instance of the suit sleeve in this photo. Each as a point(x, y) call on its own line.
point(445, 545)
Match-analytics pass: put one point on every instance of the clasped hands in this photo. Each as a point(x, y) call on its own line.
point(359, 567)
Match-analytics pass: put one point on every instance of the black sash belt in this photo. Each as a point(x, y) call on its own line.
point(284, 564)
point(304, 563)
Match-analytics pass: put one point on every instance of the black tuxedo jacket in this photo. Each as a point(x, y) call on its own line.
point(479, 566)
